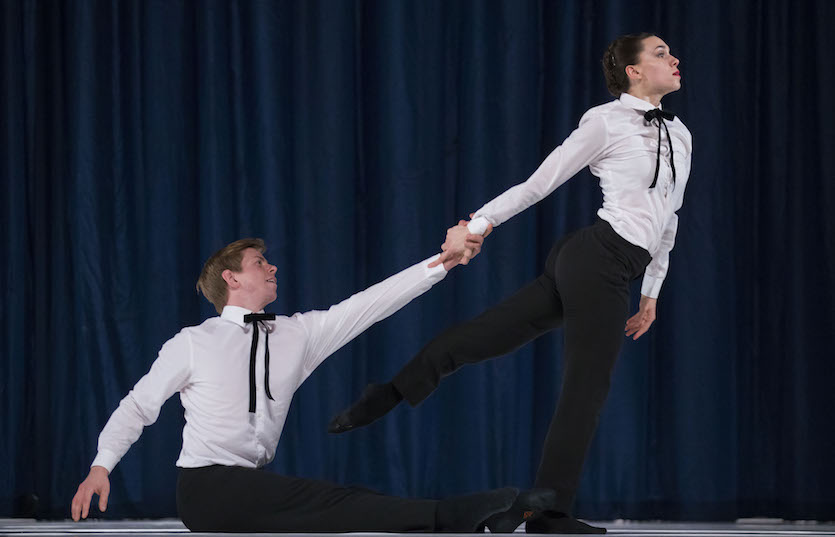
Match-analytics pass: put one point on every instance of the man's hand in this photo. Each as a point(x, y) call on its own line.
point(460, 246)
point(97, 482)
point(639, 323)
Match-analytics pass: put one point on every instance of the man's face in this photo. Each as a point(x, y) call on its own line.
point(255, 285)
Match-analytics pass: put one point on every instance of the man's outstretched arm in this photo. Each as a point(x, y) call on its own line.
point(330, 329)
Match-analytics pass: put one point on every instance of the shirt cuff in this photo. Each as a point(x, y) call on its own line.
point(434, 271)
point(478, 225)
point(651, 286)
point(107, 459)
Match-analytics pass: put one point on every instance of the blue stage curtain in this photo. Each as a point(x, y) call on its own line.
point(139, 136)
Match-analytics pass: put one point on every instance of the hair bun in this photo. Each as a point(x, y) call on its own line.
point(623, 51)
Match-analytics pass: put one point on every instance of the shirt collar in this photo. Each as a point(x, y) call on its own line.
point(236, 314)
point(638, 104)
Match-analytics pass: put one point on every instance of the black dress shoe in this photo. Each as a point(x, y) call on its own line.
point(557, 523)
point(466, 514)
point(528, 505)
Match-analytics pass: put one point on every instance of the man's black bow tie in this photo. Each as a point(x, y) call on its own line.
point(255, 319)
point(661, 115)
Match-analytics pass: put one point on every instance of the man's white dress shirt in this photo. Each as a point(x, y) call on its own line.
point(209, 366)
point(619, 147)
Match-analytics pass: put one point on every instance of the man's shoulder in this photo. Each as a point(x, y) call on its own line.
point(299, 322)
point(207, 327)
point(295, 321)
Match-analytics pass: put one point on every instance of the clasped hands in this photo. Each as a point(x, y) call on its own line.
point(460, 245)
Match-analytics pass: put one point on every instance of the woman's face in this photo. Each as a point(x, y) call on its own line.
point(657, 70)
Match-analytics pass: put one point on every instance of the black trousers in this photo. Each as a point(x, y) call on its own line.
point(234, 499)
point(584, 289)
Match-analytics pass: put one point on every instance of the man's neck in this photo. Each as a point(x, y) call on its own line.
point(250, 305)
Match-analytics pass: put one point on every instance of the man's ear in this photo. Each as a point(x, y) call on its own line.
point(229, 278)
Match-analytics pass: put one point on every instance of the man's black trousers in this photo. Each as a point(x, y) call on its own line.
point(247, 500)
point(584, 289)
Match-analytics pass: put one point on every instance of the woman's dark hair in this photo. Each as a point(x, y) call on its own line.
point(621, 52)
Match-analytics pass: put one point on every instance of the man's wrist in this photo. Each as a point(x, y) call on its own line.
point(99, 469)
point(651, 286)
point(106, 459)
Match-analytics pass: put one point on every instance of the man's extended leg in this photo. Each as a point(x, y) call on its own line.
point(233, 499)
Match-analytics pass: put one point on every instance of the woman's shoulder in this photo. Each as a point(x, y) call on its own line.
point(596, 116)
point(681, 129)
point(601, 110)
point(679, 123)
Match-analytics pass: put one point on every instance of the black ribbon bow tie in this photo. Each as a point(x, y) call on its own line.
point(256, 319)
point(661, 115)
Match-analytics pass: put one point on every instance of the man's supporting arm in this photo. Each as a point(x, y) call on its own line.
point(140, 408)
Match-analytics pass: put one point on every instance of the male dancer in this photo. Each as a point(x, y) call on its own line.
point(236, 402)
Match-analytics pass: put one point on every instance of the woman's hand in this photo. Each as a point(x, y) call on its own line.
point(639, 323)
point(460, 246)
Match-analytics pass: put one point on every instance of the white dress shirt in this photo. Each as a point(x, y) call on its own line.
point(619, 147)
point(209, 366)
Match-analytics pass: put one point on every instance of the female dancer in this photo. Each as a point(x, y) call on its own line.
point(642, 156)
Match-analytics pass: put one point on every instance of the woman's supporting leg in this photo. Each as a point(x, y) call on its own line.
point(592, 273)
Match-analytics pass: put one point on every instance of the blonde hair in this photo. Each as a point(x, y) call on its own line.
point(211, 282)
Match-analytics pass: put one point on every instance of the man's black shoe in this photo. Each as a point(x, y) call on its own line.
point(528, 505)
point(558, 523)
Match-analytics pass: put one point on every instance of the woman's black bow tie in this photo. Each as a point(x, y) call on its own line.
point(661, 115)
point(656, 112)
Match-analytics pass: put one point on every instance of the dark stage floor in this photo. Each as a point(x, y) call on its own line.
point(149, 528)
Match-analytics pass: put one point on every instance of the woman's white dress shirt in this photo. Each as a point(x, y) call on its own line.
point(619, 146)
point(209, 366)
